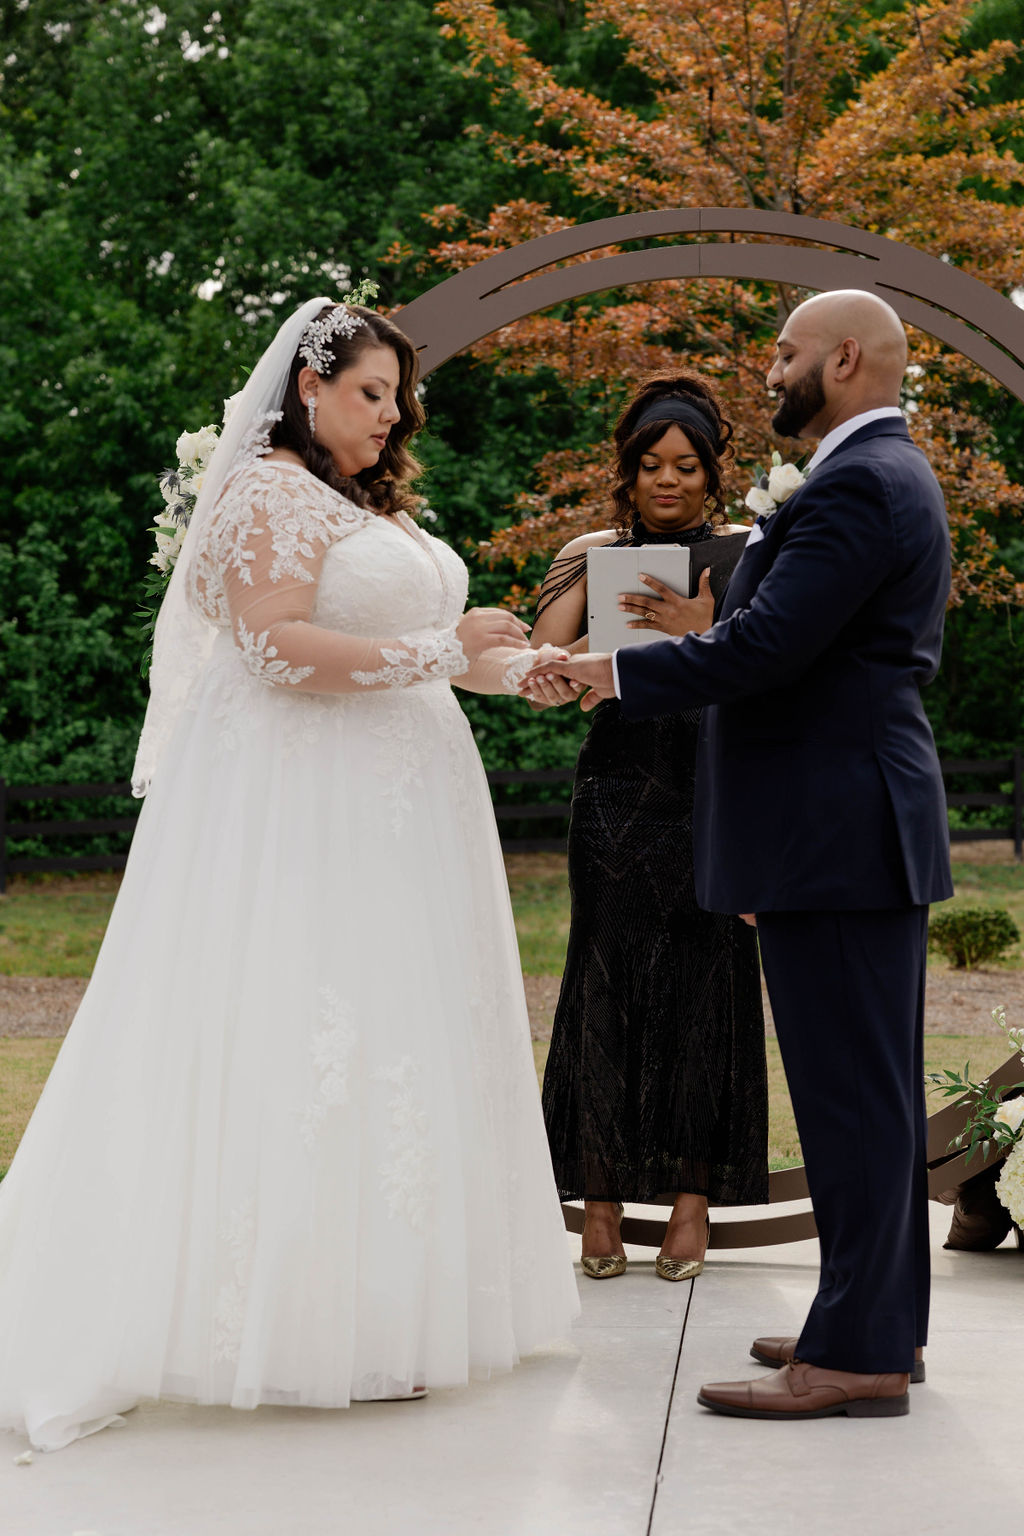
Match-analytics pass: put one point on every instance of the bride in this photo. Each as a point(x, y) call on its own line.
point(292, 1150)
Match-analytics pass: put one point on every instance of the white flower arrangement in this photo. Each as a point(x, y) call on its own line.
point(179, 489)
point(993, 1121)
point(1010, 1184)
point(773, 488)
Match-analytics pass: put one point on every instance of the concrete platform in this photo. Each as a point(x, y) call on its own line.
point(601, 1437)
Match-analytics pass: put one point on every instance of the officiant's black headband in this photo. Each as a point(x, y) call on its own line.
point(673, 408)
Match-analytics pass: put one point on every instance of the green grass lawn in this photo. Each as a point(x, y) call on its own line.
point(24, 1068)
point(991, 885)
point(52, 926)
point(540, 901)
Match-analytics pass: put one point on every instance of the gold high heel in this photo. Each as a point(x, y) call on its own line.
point(681, 1269)
point(607, 1266)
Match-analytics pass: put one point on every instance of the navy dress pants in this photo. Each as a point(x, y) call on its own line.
point(847, 994)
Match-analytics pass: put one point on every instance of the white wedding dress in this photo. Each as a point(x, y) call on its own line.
point(292, 1149)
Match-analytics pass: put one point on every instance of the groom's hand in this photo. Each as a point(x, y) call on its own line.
point(594, 673)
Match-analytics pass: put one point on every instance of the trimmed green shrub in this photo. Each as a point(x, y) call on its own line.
point(969, 936)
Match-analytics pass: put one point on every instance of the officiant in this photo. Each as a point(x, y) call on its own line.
point(655, 1082)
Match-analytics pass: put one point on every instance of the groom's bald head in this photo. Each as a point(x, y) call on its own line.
point(838, 354)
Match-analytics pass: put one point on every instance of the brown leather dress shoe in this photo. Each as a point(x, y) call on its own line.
point(777, 1351)
point(803, 1391)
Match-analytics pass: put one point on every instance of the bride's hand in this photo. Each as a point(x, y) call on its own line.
point(484, 629)
point(547, 689)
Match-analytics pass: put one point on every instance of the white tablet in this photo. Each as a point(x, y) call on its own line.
point(611, 571)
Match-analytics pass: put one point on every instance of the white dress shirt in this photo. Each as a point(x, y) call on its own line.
point(839, 434)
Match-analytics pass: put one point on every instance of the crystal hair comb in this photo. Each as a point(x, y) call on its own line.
point(315, 342)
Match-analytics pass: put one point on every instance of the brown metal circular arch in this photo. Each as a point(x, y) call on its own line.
point(925, 292)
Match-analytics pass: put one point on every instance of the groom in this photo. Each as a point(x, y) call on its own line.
point(821, 810)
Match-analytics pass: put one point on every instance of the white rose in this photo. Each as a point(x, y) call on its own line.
point(168, 547)
point(229, 406)
point(759, 502)
point(1010, 1114)
point(194, 448)
point(208, 438)
point(783, 480)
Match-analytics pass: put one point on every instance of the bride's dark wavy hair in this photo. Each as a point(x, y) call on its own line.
point(386, 485)
point(712, 447)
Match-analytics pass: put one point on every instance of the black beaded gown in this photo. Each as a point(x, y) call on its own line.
point(655, 1082)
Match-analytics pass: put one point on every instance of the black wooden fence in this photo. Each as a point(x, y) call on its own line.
point(519, 822)
point(1004, 770)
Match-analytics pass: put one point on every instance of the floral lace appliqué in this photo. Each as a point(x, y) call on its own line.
point(299, 511)
point(238, 1236)
point(256, 442)
point(516, 670)
point(408, 1177)
point(331, 1048)
point(421, 659)
point(261, 659)
point(405, 745)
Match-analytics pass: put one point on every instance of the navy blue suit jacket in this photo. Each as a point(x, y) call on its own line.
point(818, 784)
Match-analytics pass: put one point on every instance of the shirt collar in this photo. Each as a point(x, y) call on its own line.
point(830, 442)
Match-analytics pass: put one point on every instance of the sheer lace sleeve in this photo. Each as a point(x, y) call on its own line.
point(502, 669)
point(270, 576)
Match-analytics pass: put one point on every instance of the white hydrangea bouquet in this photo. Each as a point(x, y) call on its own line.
point(995, 1121)
point(771, 489)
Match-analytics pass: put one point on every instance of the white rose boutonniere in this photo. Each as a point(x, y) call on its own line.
point(760, 502)
point(783, 480)
point(773, 488)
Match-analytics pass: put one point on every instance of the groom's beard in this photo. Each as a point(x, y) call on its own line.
point(801, 402)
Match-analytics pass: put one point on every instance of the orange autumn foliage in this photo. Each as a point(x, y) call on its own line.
point(820, 108)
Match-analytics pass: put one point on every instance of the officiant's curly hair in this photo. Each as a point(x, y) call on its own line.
point(386, 485)
point(708, 431)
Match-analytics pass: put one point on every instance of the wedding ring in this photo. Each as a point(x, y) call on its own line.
point(649, 615)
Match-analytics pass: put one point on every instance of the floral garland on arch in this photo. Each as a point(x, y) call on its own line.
point(180, 488)
point(994, 1121)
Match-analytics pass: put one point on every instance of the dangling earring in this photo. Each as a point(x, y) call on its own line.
point(311, 413)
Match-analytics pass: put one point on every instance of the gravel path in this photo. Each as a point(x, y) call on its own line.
point(959, 1002)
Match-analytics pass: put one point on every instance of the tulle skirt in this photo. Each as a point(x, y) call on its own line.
point(291, 1150)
